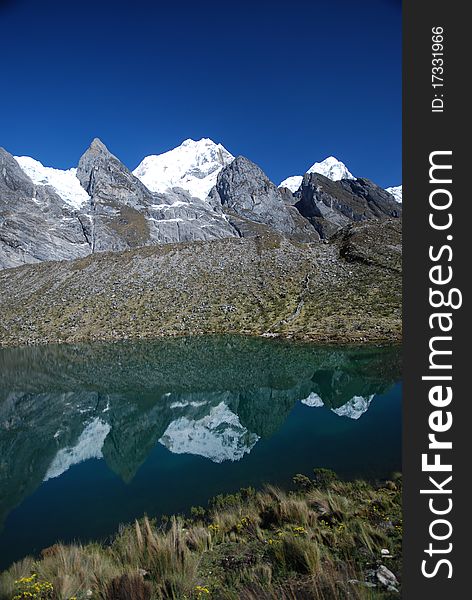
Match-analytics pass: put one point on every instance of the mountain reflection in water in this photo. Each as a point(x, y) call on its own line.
point(217, 398)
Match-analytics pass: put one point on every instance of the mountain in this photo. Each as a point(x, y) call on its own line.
point(331, 205)
point(36, 224)
point(396, 192)
point(333, 169)
point(249, 199)
point(196, 192)
point(247, 258)
point(330, 167)
point(124, 213)
point(49, 214)
point(192, 166)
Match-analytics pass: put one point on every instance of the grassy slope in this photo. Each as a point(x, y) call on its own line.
point(307, 544)
point(348, 290)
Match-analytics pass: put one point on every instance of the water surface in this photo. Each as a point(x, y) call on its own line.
point(92, 436)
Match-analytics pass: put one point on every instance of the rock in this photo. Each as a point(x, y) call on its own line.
point(35, 224)
point(386, 578)
point(116, 211)
point(375, 243)
point(330, 205)
point(117, 197)
point(385, 552)
point(248, 197)
point(50, 551)
point(367, 584)
point(126, 214)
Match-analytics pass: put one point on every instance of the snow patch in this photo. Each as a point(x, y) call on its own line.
point(65, 183)
point(396, 192)
point(332, 168)
point(292, 183)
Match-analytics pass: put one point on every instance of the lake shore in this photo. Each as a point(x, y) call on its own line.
point(373, 338)
point(324, 539)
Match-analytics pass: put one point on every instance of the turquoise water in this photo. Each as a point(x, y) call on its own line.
point(92, 436)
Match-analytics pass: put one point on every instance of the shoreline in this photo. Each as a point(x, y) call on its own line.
point(318, 340)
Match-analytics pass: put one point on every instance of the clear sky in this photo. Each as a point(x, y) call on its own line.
point(285, 83)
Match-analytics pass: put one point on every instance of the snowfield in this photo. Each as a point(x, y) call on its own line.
point(192, 166)
point(65, 183)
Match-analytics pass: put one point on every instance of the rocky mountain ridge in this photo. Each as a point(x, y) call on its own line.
point(197, 191)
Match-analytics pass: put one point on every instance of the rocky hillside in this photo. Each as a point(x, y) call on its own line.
point(347, 289)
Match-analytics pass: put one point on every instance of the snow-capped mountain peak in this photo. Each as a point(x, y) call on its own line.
point(332, 168)
point(396, 192)
point(292, 183)
point(65, 183)
point(193, 166)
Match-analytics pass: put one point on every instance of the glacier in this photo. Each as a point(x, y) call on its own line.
point(65, 183)
point(192, 166)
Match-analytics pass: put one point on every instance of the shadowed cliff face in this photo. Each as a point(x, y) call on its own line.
point(213, 397)
point(250, 200)
point(330, 205)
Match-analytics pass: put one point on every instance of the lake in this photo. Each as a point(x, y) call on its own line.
point(92, 436)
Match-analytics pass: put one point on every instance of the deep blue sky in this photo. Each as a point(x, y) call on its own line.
point(285, 83)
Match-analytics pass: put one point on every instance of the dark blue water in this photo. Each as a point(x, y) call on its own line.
point(95, 436)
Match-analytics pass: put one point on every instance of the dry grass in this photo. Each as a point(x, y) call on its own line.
point(272, 544)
